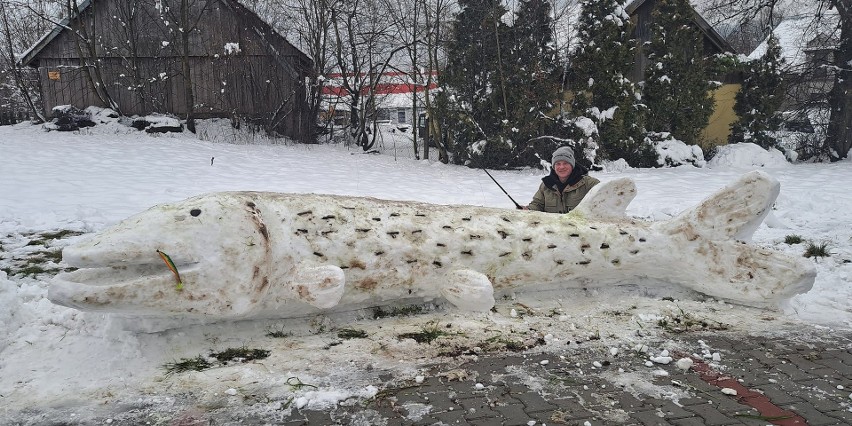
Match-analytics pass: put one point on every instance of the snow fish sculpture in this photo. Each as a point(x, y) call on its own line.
point(255, 254)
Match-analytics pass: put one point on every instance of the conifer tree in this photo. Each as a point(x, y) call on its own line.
point(759, 99)
point(676, 87)
point(502, 86)
point(533, 82)
point(474, 101)
point(605, 53)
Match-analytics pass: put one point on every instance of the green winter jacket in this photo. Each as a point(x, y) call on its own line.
point(549, 199)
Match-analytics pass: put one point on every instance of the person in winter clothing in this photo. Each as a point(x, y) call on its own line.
point(564, 187)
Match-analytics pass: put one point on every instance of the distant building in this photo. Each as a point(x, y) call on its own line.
point(394, 96)
point(719, 127)
point(807, 46)
point(238, 66)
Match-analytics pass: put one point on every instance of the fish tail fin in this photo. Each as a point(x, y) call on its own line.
point(733, 212)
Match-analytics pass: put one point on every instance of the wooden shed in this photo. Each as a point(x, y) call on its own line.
point(214, 58)
point(641, 11)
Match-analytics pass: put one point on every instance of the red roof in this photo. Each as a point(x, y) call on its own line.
point(381, 88)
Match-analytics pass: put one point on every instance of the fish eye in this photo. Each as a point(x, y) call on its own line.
point(195, 212)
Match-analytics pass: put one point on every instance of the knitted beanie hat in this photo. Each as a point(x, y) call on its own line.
point(563, 153)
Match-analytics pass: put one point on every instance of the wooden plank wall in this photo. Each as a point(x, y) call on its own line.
point(250, 84)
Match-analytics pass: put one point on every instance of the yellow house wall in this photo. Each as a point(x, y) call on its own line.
point(719, 127)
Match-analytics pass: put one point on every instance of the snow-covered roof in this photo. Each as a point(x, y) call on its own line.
point(802, 33)
point(37, 47)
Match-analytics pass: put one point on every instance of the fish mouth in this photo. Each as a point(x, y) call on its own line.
point(107, 276)
point(119, 288)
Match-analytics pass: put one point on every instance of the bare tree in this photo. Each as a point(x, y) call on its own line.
point(19, 30)
point(86, 43)
point(436, 17)
point(839, 102)
point(85, 35)
point(406, 17)
point(365, 46)
point(839, 138)
point(565, 18)
point(130, 19)
point(309, 24)
point(182, 18)
point(317, 34)
point(421, 24)
point(744, 35)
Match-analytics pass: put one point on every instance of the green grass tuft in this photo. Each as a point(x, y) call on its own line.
point(793, 239)
point(278, 334)
point(817, 250)
point(399, 311)
point(428, 334)
point(242, 354)
point(42, 260)
point(351, 333)
point(198, 363)
point(31, 270)
point(62, 233)
point(54, 256)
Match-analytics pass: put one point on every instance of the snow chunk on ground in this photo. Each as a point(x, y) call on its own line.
point(673, 152)
point(745, 155)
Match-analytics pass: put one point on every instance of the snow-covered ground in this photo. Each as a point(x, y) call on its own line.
point(64, 364)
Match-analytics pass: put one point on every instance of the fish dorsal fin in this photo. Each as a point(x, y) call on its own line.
point(733, 212)
point(608, 200)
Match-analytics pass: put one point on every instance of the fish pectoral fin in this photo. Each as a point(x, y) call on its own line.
point(319, 286)
point(608, 200)
point(468, 290)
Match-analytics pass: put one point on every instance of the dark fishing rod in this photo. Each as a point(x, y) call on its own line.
point(518, 206)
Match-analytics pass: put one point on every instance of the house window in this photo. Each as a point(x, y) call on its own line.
point(383, 114)
point(400, 115)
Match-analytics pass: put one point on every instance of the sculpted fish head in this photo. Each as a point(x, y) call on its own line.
point(211, 240)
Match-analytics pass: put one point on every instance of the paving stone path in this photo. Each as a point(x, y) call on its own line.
point(776, 381)
point(720, 378)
